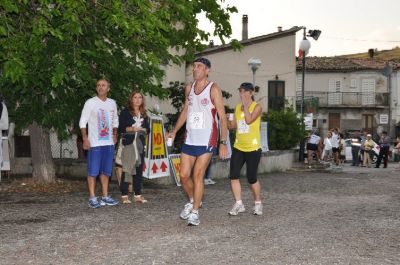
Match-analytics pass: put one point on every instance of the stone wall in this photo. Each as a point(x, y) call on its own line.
point(272, 161)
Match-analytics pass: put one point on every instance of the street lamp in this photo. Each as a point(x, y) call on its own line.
point(387, 71)
point(305, 46)
point(254, 63)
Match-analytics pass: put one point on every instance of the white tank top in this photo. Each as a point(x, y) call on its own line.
point(201, 124)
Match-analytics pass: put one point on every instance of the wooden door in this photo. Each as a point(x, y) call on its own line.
point(334, 120)
point(367, 122)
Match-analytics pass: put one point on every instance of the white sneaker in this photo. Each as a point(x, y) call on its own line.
point(236, 209)
point(193, 219)
point(257, 209)
point(186, 211)
point(209, 182)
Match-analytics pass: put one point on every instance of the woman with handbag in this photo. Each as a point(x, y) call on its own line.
point(134, 126)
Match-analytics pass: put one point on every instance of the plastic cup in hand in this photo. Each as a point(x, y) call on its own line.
point(169, 142)
point(230, 116)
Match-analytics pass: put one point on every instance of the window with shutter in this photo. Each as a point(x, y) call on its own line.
point(334, 93)
point(368, 92)
point(353, 83)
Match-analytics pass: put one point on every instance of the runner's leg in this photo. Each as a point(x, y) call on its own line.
point(199, 169)
point(187, 163)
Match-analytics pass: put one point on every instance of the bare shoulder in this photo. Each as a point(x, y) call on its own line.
point(258, 106)
point(188, 87)
point(215, 86)
point(215, 90)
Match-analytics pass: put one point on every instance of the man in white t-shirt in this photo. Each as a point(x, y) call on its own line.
point(100, 114)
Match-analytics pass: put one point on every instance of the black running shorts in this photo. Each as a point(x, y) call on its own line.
point(252, 159)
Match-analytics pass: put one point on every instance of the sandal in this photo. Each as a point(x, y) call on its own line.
point(125, 199)
point(139, 199)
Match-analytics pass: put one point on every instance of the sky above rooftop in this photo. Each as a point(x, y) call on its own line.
point(348, 26)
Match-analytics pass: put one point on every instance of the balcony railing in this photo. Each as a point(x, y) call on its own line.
point(347, 99)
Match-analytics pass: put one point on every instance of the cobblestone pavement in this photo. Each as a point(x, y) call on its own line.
point(351, 217)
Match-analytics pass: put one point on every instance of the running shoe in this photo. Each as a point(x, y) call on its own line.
point(209, 182)
point(94, 204)
point(193, 219)
point(258, 209)
point(236, 209)
point(186, 211)
point(108, 201)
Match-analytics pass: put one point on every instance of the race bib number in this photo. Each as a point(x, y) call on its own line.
point(243, 127)
point(196, 120)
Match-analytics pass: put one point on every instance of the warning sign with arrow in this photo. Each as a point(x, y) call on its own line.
point(175, 161)
point(156, 160)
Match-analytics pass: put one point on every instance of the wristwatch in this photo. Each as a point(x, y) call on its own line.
point(224, 142)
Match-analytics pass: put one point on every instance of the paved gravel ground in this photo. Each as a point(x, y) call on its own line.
point(352, 217)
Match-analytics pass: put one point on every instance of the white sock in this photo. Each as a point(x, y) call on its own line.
point(257, 202)
point(195, 211)
point(191, 200)
point(239, 202)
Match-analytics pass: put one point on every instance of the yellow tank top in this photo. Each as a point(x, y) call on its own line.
point(247, 136)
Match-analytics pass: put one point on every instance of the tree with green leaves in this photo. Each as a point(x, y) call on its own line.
point(52, 53)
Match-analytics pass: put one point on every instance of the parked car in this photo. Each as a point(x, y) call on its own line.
point(347, 150)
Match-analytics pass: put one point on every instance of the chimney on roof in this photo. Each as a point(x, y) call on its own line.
point(371, 53)
point(279, 28)
point(245, 32)
point(211, 44)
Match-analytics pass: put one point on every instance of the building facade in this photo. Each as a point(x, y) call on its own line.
point(349, 93)
point(275, 77)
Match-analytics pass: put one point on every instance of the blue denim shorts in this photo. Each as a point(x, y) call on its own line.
point(100, 160)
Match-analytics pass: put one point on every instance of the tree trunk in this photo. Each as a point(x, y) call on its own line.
point(42, 160)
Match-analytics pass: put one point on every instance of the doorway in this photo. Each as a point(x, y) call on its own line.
point(334, 120)
point(367, 122)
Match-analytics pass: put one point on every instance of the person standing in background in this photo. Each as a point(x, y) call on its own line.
point(328, 147)
point(100, 114)
point(342, 149)
point(335, 145)
point(369, 144)
point(384, 143)
point(133, 126)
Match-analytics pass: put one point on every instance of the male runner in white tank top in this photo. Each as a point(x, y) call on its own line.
point(203, 102)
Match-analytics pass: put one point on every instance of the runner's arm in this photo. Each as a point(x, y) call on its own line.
point(183, 116)
point(251, 117)
point(216, 97)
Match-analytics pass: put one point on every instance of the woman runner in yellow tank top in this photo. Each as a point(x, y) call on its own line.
point(247, 148)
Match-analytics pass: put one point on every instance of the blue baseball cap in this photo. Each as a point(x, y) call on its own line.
point(204, 61)
point(247, 86)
